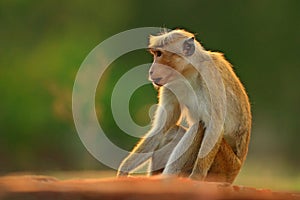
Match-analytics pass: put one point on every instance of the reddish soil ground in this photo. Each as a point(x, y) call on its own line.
point(42, 187)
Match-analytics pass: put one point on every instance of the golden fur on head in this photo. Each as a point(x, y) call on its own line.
point(168, 37)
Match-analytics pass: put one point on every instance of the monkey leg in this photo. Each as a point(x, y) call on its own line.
point(203, 162)
point(183, 156)
point(165, 148)
point(226, 165)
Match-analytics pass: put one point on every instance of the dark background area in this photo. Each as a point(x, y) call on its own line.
point(43, 43)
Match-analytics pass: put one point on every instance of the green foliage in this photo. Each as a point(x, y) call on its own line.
point(43, 43)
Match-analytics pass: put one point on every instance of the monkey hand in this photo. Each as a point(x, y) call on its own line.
point(122, 173)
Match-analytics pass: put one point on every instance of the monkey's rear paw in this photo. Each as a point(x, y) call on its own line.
point(196, 177)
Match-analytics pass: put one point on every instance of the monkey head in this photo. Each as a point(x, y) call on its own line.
point(170, 56)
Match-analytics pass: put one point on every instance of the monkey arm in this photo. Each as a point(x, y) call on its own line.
point(162, 153)
point(183, 156)
point(140, 154)
point(167, 115)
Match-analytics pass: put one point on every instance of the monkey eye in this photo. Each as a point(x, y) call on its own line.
point(158, 53)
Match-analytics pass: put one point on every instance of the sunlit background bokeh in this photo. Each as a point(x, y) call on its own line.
point(43, 43)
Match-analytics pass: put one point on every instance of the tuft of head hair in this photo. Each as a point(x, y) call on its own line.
point(166, 38)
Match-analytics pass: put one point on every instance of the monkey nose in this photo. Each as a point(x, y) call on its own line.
point(151, 72)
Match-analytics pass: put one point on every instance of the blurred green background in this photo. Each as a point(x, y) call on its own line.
point(43, 43)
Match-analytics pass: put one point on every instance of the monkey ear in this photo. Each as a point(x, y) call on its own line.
point(189, 46)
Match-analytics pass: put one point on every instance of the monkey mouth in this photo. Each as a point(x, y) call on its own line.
point(156, 81)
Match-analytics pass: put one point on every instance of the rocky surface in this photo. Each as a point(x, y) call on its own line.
point(43, 187)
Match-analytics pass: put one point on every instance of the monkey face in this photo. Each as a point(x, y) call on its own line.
point(162, 70)
point(169, 59)
point(165, 67)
